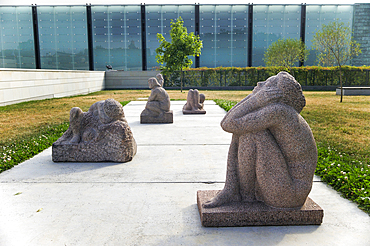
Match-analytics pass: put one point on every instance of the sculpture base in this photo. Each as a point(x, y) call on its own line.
point(193, 111)
point(256, 213)
point(94, 152)
point(167, 117)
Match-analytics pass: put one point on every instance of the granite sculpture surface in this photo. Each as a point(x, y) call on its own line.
point(100, 134)
point(160, 79)
point(272, 155)
point(157, 109)
point(194, 103)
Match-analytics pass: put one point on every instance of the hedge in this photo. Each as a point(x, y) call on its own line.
point(249, 76)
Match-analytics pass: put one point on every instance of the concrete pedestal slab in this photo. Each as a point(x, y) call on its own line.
point(256, 213)
point(166, 118)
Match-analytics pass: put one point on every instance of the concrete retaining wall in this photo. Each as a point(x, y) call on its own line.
point(20, 85)
point(354, 91)
point(115, 80)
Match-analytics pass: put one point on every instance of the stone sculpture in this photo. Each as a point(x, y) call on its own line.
point(160, 79)
point(271, 160)
point(100, 134)
point(157, 109)
point(195, 103)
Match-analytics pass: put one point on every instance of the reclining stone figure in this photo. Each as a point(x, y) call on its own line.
point(100, 134)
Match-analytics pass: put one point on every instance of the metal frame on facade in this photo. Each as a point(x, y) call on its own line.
point(90, 37)
point(303, 28)
point(143, 38)
point(36, 38)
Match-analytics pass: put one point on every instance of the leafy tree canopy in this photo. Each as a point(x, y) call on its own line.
point(175, 54)
point(285, 52)
point(336, 47)
point(335, 44)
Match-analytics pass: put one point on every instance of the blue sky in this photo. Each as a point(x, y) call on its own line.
point(108, 2)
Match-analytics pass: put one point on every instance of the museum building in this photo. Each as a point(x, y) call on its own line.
point(90, 37)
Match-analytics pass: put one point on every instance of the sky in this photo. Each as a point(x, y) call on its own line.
point(123, 2)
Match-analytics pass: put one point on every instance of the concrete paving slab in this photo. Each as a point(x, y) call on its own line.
point(153, 214)
point(171, 163)
point(152, 200)
point(186, 129)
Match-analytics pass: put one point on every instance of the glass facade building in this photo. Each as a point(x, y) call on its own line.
point(116, 37)
point(270, 23)
point(17, 42)
point(224, 32)
point(125, 36)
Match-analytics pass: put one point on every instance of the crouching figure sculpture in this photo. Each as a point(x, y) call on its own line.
point(100, 134)
point(194, 103)
point(272, 155)
point(157, 109)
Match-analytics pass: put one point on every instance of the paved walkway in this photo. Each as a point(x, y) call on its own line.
point(152, 199)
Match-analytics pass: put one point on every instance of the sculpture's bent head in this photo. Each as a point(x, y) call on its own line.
point(113, 109)
point(292, 91)
point(202, 98)
point(153, 82)
point(159, 76)
point(285, 89)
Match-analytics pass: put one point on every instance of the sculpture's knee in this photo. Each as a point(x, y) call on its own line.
point(154, 106)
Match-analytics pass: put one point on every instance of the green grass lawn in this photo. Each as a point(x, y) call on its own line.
point(341, 131)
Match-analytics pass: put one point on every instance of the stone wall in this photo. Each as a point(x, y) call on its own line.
point(115, 80)
point(20, 85)
point(361, 33)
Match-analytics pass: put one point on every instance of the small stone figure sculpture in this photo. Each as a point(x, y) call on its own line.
point(271, 161)
point(157, 109)
point(101, 134)
point(195, 103)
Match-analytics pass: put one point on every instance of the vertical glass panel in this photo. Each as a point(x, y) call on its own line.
point(133, 58)
point(317, 15)
point(208, 34)
point(158, 20)
point(16, 30)
point(240, 36)
point(224, 31)
point(270, 23)
point(63, 37)
point(117, 37)
point(223, 36)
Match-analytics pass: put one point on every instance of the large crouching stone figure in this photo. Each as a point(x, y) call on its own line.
point(271, 161)
point(100, 134)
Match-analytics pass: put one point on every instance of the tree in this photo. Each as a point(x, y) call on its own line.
point(285, 52)
point(336, 47)
point(175, 54)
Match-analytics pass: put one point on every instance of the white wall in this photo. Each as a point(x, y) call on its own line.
point(19, 85)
